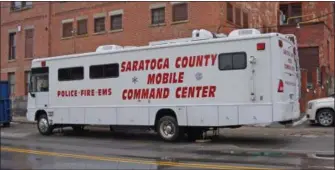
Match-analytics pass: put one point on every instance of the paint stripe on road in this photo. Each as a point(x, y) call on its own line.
point(127, 160)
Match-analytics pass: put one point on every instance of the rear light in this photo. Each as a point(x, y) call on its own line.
point(43, 63)
point(281, 86)
point(280, 43)
point(260, 46)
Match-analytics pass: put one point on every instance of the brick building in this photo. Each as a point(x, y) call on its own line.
point(43, 29)
point(313, 24)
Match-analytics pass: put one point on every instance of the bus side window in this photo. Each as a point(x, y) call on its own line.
point(232, 61)
point(44, 84)
point(40, 80)
point(104, 71)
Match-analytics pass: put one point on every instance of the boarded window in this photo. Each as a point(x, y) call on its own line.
point(179, 12)
point(68, 74)
point(309, 60)
point(67, 29)
point(245, 20)
point(12, 46)
point(230, 12)
point(238, 16)
point(99, 24)
point(82, 27)
point(11, 81)
point(104, 71)
point(232, 61)
point(27, 81)
point(158, 15)
point(29, 43)
point(116, 22)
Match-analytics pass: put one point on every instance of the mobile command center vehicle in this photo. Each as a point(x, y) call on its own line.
point(175, 87)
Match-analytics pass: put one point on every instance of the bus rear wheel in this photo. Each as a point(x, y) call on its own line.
point(43, 125)
point(168, 129)
point(78, 128)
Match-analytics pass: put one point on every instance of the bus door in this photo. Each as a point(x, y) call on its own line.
point(39, 87)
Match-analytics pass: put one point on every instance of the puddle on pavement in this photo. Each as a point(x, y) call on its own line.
point(31, 161)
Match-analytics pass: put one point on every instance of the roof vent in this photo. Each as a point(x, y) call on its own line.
point(108, 48)
point(243, 32)
point(202, 34)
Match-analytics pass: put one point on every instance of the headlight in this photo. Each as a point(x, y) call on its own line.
point(310, 105)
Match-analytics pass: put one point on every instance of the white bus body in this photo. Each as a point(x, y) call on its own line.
point(175, 87)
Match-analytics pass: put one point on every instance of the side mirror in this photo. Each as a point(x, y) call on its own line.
point(32, 94)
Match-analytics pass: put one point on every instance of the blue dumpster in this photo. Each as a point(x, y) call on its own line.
point(5, 104)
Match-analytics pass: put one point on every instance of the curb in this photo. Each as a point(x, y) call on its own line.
point(246, 152)
point(278, 153)
point(265, 153)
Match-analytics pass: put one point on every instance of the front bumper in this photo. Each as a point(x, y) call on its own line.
point(310, 114)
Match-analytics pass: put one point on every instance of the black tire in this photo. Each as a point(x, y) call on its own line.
point(6, 124)
point(47, 130)
point(194, 134)
point(177, 131)
point(325, 122)
point(111, 128)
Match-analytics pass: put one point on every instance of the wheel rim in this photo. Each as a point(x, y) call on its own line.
point(167, 129)
point(43, 125)
point(325, 118)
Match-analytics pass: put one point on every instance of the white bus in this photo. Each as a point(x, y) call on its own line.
point(175, 87)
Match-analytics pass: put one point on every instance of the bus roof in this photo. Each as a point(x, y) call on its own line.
point(181, 43)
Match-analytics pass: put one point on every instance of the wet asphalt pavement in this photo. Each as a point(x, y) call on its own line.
point(22, 147)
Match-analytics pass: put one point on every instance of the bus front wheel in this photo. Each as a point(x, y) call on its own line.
point(43, 125)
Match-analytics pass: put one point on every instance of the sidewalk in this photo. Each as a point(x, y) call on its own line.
point(21, 119)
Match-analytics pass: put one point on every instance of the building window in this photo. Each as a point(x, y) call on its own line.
point(158, 15)
point(245, 20)
point(82, 27)
point(11, 80)
point(67, 29)
point(68, 74)
point(238, 16)
point(29, 43)
point(12, 46)
point(19, 5)
point(99, 24)
point(233, 61)
point(179, 12)
point(104, 71)
point(292, 10)
point(27, 81)
point(116, 22)
point(230, 12)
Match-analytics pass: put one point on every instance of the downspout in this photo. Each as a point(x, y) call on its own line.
point(0, 39)
point(49, 29)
